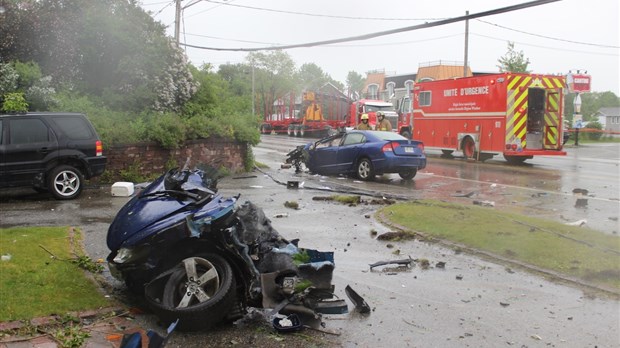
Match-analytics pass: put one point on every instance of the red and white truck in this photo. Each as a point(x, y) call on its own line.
point(400, 124)
point(514, 114)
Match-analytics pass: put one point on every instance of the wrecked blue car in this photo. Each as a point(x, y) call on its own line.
point(199, 258)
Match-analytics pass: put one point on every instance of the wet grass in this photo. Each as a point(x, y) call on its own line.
point(578, 252)
point(33, 283)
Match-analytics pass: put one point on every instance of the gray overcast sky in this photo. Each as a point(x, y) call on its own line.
point(578, 34)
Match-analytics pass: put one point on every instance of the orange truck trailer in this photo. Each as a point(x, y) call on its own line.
point(513, 114)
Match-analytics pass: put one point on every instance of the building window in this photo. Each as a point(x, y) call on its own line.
point(425, 98)
point(373, 91)
point(409, 86)
point(390, 89)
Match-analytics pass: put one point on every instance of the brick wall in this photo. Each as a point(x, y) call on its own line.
point(152, 159)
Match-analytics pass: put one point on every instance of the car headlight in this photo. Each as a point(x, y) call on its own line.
point(123, 255)
point(128, 255)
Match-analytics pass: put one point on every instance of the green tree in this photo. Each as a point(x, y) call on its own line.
point(513, 61)
point(110, 49)
point(312, 77)
point(274, 77)
point(590, 103)
point(355, 82)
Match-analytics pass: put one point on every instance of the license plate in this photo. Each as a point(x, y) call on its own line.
point(409, 149)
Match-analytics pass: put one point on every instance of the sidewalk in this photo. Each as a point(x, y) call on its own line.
point(105, 327)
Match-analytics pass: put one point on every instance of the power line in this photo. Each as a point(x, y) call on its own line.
point(323, 15)
point(163, 8)
point(547, 37)
point(155, 3)
point(547, 47)
point(388, 32)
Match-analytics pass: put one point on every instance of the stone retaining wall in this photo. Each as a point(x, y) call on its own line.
point(150, 159)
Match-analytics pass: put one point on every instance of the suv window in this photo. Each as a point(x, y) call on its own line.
point(73, 127)
point(27, 131)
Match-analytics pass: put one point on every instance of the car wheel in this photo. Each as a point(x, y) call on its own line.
point(200, 292)
point(365, 170)
point(65, 182)
point(409, 174)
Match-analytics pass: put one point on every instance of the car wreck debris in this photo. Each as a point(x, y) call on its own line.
point(360, 304)
point(403, 262)
point(198, 257)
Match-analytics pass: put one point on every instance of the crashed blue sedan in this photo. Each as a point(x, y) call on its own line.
point(363, 154)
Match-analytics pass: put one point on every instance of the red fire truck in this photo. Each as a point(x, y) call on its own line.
point(517, 115)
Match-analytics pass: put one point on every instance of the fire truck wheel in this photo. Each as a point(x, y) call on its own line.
point(296, 131)
point(515, 159)
point(447, 152)
point(302, 131)
point(408, 175)
point(289, 131)
point(364, 169)
point(469, 148)
point(264, 129)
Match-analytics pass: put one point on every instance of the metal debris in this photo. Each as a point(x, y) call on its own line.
point(405, 262)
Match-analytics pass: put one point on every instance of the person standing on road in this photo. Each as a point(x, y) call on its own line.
point(382, 123)
point(364, 123)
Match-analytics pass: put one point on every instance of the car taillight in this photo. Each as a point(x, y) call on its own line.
point(421, 147)
point(99, 148)
point(387, 148)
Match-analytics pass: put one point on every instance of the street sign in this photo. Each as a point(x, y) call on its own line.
point(578, 83)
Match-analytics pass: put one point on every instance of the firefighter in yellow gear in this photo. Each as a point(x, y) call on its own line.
point(382, 123)
point(364, 123)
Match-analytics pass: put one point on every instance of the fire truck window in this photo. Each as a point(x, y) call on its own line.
point(425, 98)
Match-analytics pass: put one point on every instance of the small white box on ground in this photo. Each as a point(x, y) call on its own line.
point(122, 189)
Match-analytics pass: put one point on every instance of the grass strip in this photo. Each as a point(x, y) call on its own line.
point(576, 252)
point(34, 283)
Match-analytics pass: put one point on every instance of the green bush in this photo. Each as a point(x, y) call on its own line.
point(593, 129)
point(167, 129)
point(14, 102)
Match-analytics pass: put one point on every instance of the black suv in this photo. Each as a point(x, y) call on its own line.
point(52, 152)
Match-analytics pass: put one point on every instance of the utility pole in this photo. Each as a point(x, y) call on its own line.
point(466, 44)
point(253, 98)
point(177, 22)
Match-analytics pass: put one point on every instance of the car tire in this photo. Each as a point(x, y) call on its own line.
point(408, 175)
point(364, 169)
point(65, 182)
point(199, 300)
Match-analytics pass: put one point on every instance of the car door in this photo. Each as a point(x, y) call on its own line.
point(324, 155)
point(349, 151)
point(29, 145)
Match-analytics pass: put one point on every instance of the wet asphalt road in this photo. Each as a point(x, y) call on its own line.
point(473, 302)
